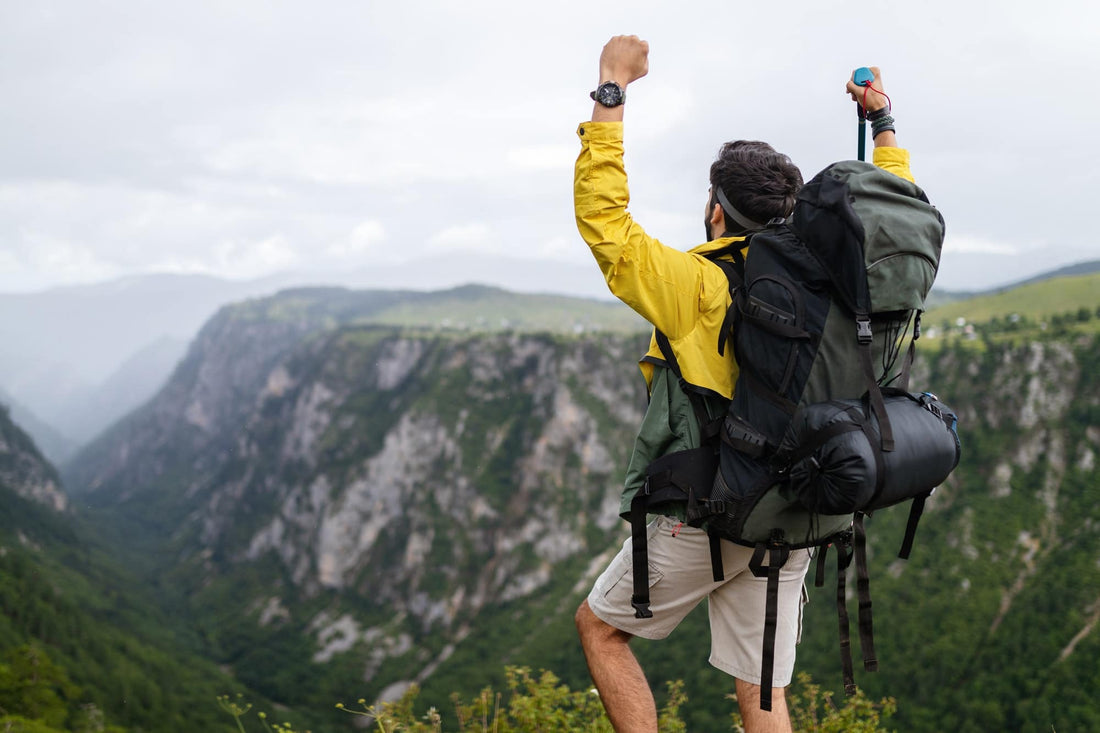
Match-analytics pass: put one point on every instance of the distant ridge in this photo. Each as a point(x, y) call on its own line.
point(1081, 268)
point(943, 297)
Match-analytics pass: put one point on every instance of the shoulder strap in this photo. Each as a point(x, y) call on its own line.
point(708, 428)
point(735, 273)
point(874, 392)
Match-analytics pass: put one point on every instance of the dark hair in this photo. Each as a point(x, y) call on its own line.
point(760, 182)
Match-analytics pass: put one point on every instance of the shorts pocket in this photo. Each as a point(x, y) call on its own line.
point(619, 576)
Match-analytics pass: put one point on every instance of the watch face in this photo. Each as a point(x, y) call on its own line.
point(609, 94)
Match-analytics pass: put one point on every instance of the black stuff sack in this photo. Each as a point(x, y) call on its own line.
point(837, 465)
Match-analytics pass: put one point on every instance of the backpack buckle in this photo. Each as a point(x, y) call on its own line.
point(863, 330)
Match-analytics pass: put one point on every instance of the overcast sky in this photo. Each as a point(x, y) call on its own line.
point(247, 138)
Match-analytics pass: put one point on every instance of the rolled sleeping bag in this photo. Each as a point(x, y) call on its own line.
point(835, 470)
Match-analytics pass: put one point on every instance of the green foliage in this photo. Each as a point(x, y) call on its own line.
point(33, 686)
point(541, 704)
point(1033, 301)
point(466, 308)
point(813, 710)
point(81, 641)
point(37, 696)
point(535, 705)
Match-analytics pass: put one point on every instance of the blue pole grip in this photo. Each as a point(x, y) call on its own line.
point(863, 76)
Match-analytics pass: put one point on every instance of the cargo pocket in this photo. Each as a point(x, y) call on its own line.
point(618, 579)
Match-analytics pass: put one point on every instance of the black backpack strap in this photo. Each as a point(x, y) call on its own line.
point(843, 560)
point(863, 591)
point(916, 509)
point(874, 392)
point(819, 578)
point(717, 571)
point(708, 428)
point(639, 540)
point(670, 478)
point(864, 422)
point(910, 355)
point(777, 558)
point(735, 273)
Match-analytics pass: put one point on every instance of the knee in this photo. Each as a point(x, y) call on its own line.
point(748, 699)
point(585, 619)
point(595, 631)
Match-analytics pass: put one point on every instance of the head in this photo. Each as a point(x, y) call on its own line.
point(760, 183)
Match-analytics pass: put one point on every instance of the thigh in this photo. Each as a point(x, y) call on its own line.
point(679, 578)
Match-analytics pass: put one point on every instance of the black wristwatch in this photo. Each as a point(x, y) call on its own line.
point(609, 94)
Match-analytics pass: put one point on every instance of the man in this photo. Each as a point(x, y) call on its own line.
point(686, 296)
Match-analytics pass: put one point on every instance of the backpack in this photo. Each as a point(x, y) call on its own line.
point(822, 429)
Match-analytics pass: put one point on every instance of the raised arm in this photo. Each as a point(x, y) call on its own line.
point(888, 155)
point(623, 60)
point(666, 286)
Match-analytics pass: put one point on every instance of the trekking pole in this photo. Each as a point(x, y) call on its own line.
point(863, 77)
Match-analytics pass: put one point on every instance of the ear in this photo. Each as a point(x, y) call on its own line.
point(717, 220)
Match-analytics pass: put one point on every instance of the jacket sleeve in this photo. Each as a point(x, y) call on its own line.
point(666, 286)
point(895, 160)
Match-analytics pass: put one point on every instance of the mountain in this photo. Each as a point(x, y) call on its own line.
point(340, 508)
point(53, 445)
point(64, 351)
point(1081, 268)
point(1037, 301)
point(941, 297)
point(78, 358)
point(85, 644)
point(23, 470)
point(332, 498)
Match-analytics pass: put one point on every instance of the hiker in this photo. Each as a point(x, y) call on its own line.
point(686, 296)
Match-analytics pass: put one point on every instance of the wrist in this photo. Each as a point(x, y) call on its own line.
point(620, 76)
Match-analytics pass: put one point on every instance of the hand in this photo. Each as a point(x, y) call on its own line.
point(871, 99)
point(624, 59)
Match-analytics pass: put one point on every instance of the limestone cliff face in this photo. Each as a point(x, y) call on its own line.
point(24, 470)
point(423, 475)
point(432, 475)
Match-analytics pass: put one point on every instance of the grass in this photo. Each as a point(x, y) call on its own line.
point(1034, 301)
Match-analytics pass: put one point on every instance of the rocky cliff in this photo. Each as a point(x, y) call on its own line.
point(387, 486)
point(24, 470)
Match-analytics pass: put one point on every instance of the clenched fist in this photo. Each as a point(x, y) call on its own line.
point(871, 96)
point(624, 59)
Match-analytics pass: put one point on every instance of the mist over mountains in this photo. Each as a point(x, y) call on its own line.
point(73, 360)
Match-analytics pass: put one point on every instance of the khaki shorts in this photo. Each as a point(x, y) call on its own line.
point(680, 576)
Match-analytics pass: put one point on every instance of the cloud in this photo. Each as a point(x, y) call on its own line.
point(977, 245)
point(542, 157)
point(235, 137)
point(244, 259)
point(363, 239)
point(476, 236)
point(65, 262)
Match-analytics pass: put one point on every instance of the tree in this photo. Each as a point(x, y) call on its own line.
point(32, 686)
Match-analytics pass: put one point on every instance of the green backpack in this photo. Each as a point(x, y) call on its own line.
point(822, 429)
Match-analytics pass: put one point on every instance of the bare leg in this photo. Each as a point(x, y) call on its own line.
point(623, 687)
point(777, 720)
